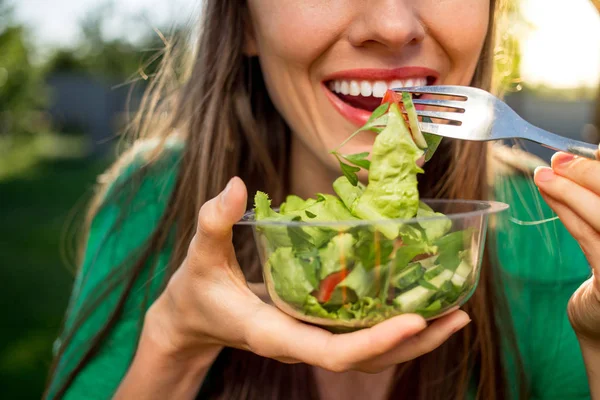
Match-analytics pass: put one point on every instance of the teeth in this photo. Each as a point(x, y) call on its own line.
point(420, 82)
point(345, 87)
point(396, 84)
point(354, 88)
point(370, 88)
point(366, 89)
point(379, 89)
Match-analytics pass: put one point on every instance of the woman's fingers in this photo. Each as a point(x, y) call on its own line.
point(584, 306)
point(208, 293)
point(422, 343)
point(273, 334)
point(212, 244)
point(583, 232)
point(580, 170)
point(582, 200)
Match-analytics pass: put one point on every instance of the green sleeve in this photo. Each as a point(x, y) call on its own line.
point(542, 267)
point(122, 225)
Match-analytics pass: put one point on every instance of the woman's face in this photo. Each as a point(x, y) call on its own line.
point(328, 63)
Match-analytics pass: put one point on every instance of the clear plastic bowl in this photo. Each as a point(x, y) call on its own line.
point(355, 277)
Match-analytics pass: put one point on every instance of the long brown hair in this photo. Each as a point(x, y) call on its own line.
point(224, 116)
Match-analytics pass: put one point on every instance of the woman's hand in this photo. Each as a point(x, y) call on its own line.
point(572, 188)
point(207, 305)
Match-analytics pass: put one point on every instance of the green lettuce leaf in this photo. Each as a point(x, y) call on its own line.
point(340, 247)
point(359, 283)
point(348, 193)
point(366, 308)
point(368, 253)
point(276, 235)
point(327, 208)
point(313, 308)
point(392, 189)
point(293, 204)
point(434, 229)
point(289, 276)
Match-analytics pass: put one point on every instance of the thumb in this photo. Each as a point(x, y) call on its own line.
point(212, 242)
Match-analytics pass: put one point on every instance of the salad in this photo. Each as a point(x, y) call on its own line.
point(368, 272)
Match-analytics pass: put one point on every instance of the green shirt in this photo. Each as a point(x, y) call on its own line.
point(542, 264)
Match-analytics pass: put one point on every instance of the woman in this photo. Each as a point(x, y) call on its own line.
point(161, 308)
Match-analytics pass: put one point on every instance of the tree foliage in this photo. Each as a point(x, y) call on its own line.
point(22, 88)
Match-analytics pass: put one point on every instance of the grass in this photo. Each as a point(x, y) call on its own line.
point(37, 201)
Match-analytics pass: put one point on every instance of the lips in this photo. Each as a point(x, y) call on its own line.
point(356, 93)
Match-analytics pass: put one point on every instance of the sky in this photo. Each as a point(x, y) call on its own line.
point(561, 48)
point(56, 22)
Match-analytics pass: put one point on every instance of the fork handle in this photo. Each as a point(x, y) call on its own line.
point(561, 143)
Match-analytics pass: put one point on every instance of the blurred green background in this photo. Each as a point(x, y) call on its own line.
point(61, 110)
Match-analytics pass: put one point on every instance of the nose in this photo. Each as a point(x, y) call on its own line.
point(389, 23)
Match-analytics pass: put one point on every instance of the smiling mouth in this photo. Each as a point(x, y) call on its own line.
point(367, 94)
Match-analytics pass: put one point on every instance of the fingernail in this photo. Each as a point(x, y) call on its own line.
point(543, 174)
point(561, 159)
point(225, 192)
point(461, 325)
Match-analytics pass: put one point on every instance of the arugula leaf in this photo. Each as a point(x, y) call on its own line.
point(451, 246)
point(300, 239)
point(349, 172)
point(359, 160)
point(433, 142)
point(431, 309)
point(367, 252)
point(376, 121)
point(405, 254)
point(311, 263)
point(378, 112)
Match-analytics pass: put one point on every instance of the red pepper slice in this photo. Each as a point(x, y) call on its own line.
point(391, 97)
point(328, 284)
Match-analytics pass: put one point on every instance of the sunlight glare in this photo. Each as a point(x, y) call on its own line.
point(562, 47)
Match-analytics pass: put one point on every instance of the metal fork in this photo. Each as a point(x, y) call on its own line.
point(484, 117)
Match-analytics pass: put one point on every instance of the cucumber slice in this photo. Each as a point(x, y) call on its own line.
point(417, 297)
point(428, 263)
point(426, 284)
point(433, 272)
point(462, 273)
point(413, 120)
point(408, 276)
